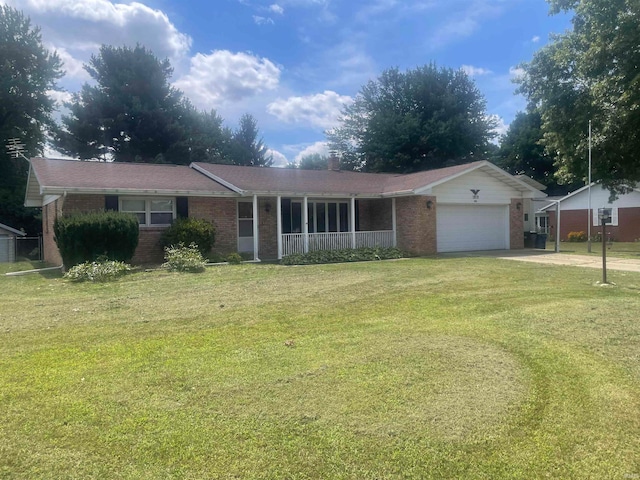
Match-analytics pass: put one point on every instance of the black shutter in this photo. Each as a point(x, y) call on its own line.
point(182, 207)
point(111, 202)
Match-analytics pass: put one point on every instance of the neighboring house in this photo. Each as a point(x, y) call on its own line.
point(8, 237)
point(272, 212)
point(574, 216)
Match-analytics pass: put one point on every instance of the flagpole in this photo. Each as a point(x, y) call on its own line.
point(589, 209)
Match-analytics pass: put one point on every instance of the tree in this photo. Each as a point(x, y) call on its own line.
point(27, 72)
point(313, 161)
point(131, 114)
point(590, 73)
point(522, 153)
point(420, 119)
point(246, 148)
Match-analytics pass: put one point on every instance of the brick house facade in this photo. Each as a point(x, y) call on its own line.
point(294, 210)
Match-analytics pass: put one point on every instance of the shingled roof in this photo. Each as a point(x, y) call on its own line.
point(51, 177)
point(55, 177)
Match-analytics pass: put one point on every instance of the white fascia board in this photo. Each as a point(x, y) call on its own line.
point(581, 189)
point(281, 193)
point(215, 178)
point(525, 189)
point(136, 191)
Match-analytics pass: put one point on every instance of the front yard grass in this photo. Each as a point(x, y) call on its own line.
point(614, 249)
point(421, 368)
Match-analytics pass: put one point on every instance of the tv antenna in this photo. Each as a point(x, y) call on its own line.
point(16, 148)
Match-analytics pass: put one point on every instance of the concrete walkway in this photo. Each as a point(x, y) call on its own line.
point(551, 258)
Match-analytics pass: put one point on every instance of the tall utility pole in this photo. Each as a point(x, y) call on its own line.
point(589, 216)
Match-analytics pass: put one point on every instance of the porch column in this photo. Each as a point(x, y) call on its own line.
point(255, 229)
point(305, 223)
point(393, 221)
point(352, 222)
point(558, 227)
point(279, 228)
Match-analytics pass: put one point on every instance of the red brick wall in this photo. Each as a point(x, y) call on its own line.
point(223, 213)
point(416, 225)
point(375, 214)
point(268, 228)
point(50, 212)
point(516, 224)
point(149, 250)
point(628, 229)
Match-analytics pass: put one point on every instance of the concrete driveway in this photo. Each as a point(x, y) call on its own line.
point(551, 258)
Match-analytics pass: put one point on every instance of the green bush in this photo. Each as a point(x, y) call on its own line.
point(101, 271)
point(234, 258)
point(346, 255)
point(85, 237)
point(179, 258)
point(188, 231)
point(577, 236)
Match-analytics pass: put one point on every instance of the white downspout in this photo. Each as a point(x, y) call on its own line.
point(255, 229)
point(394, 222)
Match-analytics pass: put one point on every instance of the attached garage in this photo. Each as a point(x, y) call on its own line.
point(461, 228)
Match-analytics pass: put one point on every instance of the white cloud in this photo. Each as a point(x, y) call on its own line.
point(516, 73)
point(319, 110)
point(279, 160)
point(262, 20)
point(223, 77)
point(72, 66)
point(275, 8)
point(59, 96)
point(320, 148)
point(475, 71)
point(84, 25)
point(535, 39)
point(501, 127)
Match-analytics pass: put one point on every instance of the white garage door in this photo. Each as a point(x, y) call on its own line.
point(464, 228)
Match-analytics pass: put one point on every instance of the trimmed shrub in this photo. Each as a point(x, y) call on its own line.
point(234, 258)
point(188, 231)
point(86, 237)
point(102, 271)
point(180, 258)
point(577, 237)
point(346, 255)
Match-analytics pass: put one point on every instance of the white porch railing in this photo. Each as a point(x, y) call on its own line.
point(294, 242)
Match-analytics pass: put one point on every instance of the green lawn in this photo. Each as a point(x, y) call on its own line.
point(614, 249)
point(422, 368)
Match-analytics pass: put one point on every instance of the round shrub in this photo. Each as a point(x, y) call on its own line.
point(86, 237)
point(188, 231)
point(101, 271)
point(180, 258)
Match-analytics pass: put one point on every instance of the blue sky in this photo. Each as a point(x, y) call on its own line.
point(294, 64)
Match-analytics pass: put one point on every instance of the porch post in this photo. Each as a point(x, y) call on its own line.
point(255, 228)
point(305, 223)
point(279, 228)
point(393, 221)
point(352, 222)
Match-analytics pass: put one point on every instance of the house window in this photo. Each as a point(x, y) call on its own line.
point(150, 211)
point(614, 217)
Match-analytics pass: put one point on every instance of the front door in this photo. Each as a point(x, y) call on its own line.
point(245, 227)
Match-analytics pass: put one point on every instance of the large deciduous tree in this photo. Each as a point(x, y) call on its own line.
point(522, 153)
point(591, 73)
point(28, 72)
point(420, 119)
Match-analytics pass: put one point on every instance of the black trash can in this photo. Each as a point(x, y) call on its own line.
point(530, 239)
point(541, 241)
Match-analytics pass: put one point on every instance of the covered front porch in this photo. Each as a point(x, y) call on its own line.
point(305, 224)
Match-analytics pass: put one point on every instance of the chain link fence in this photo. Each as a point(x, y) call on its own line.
point(14, 249)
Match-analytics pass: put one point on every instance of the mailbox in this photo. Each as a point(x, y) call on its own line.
point(604, 215)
